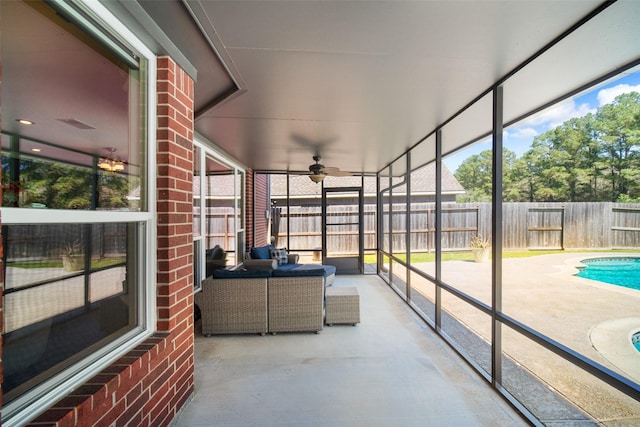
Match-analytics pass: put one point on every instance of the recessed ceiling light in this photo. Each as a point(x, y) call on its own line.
point(25, 122)
point(36, 150)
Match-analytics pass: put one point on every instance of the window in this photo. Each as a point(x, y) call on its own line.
point(76, 217)
point(218, 212)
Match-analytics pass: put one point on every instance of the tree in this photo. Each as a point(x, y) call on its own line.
point(559, 162)
point(618, 126)
point(59, 186)
point(475, 174)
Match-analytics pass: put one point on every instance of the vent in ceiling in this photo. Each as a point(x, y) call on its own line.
point(76, 123)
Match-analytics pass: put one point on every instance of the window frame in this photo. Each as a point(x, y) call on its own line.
point(206, 149)
point(22, 409)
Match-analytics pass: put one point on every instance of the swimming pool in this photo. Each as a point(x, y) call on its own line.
point(635, 340)
point(621, 271)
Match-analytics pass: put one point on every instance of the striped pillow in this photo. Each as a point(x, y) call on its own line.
point(280, 255)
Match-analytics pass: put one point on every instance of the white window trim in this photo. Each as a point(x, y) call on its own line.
point(24, 408)
point(208, 149)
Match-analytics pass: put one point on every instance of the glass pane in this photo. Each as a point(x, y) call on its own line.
point(66, 294)
point(70, 289)
point(31, 182)
point(239, 189)
point(197, 185)
point(220, 208)
point(266, 215)
point(84, 148)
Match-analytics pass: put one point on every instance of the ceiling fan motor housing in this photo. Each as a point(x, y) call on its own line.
point(317, 168)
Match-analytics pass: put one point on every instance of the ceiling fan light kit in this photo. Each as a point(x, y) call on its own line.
point(319, 171)
point(317, 178)
point(111, 163)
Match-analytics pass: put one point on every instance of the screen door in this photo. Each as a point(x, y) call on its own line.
point(343, 229)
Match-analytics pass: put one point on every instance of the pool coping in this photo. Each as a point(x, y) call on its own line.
point(612, 339)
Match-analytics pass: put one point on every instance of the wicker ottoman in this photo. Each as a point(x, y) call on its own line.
point(342, 305)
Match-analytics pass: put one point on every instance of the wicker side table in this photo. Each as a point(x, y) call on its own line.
point(342, 305)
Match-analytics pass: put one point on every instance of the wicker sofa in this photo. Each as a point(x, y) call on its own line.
point(256, 301)
point(260, 259)
point(296, 304)
point(233, 305)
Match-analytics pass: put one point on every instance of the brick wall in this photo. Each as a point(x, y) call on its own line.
point(147, 386)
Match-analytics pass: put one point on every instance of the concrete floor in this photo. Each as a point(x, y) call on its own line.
point(389, 370)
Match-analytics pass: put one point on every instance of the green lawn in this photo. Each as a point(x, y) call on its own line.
point(467, 256)
point(95, 264)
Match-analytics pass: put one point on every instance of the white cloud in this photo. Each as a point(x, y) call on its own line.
point(522, 133)
point(606, 96)
point(557, 115)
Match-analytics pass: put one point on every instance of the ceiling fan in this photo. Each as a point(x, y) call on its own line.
point(319, 171)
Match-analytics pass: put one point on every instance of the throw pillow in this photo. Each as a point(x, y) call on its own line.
point(280, 255)
point(217, 252)
point(261, 252)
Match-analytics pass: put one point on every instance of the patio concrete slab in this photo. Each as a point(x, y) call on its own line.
point(389, 370)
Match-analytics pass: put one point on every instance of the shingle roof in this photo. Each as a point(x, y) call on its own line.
point(223, 188)
point(423, 182)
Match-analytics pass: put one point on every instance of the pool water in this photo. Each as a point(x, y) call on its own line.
point(622, 271)
point(635, 339)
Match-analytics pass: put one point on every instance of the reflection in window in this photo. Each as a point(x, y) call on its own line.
point(66, 293)
point(40, 183)
point(73, 283)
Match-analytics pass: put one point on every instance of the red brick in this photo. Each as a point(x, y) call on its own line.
point(112, 415)
point(158, 406)
point(62, 416)
point(131, 420)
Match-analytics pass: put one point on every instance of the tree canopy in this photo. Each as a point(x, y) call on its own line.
point(59, 186)
point(591, 158)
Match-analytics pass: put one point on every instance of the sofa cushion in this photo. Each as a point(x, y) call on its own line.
point(261, 252)
point(240, 274)
point(300, 270)
point(280, 255)
point(288, 266)
point(328, 270)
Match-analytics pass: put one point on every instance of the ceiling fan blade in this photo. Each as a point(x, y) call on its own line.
point(329, 170)
point(335, 172)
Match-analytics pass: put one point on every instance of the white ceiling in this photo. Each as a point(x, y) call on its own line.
point(362, 81)
point(357, 81)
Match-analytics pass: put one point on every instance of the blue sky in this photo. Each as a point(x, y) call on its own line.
point(519, 138)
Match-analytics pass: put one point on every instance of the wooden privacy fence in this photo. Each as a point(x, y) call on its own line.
point(47, 241)
point(525, 226)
